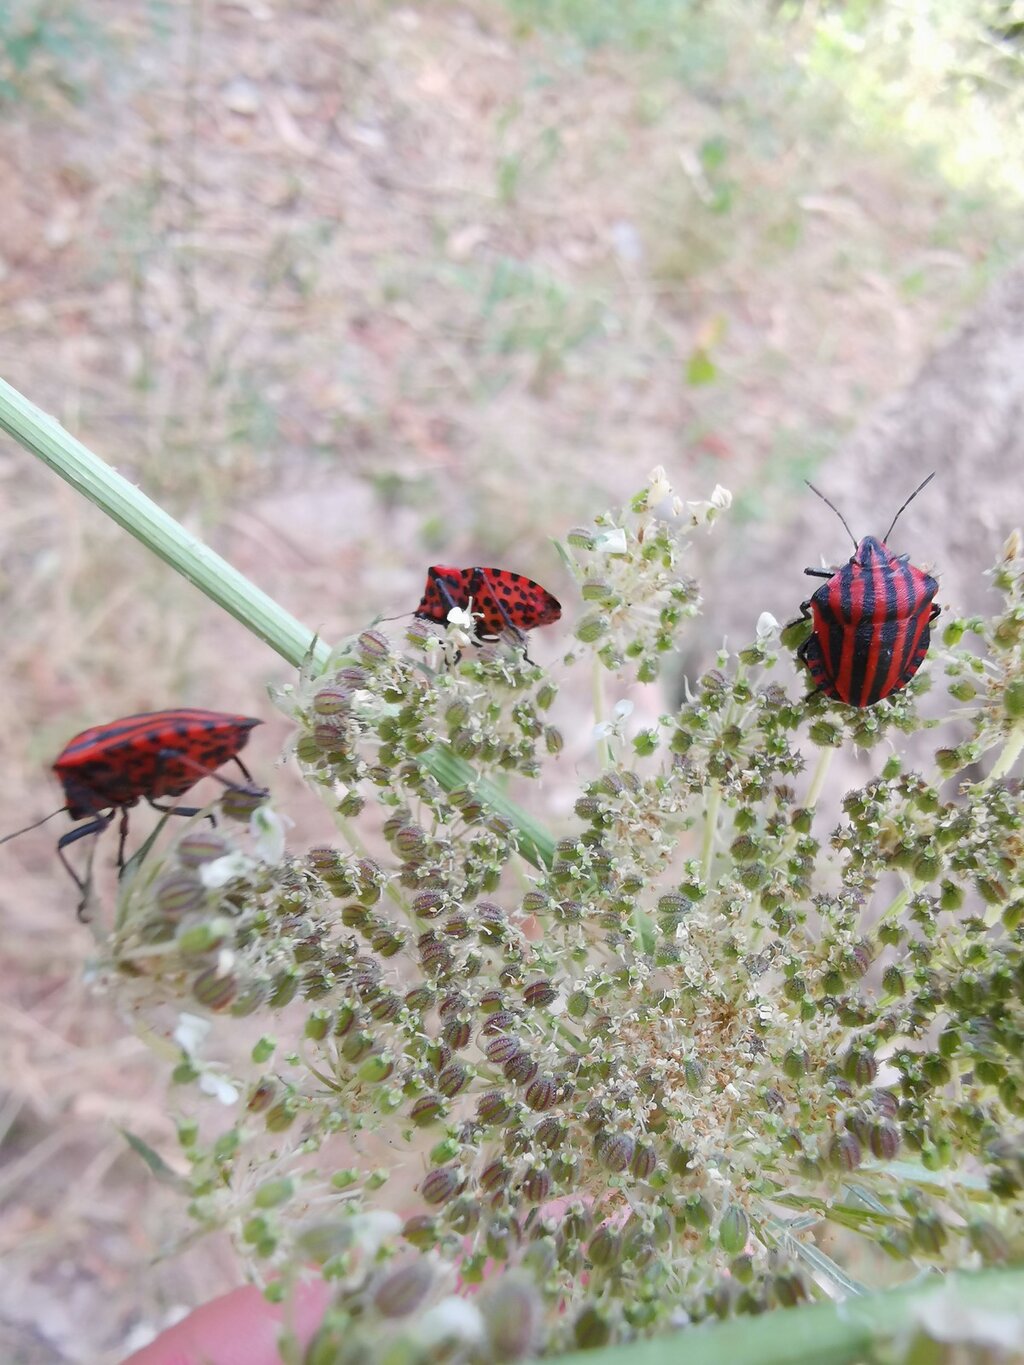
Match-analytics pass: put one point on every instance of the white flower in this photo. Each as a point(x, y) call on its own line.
point(453, 1318)
point(621, 712)
point(766, 627)
point(210, 1083)
point(267, 830)
point(220, 871)
point(373, 1228)
point(704, 513)
point(659, 487)
point(611, 541)
point(191, 1033)
point(461, 618)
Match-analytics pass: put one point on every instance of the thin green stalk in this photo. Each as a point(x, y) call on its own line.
point(818, 780)
point(711, 809)
point(141, 517)
point(824, 1333)
point(150, 524)
point(604, 749)
point(1010, 753)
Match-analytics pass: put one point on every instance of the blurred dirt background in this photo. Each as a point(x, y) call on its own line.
point(353, 286)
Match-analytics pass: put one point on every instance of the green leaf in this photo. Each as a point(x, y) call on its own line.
point(701, 368)
point(157, 1165)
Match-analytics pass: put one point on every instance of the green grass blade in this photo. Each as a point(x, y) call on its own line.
point(535, 843)
point(819, 1334)
point(148, 523)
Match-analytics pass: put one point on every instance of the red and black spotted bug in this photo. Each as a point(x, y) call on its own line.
point(499, 600)
point(109, 768)
point(872, 620)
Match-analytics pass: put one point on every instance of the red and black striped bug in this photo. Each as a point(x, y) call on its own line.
point(109, 768)
point(872, 620)
point(499, 600)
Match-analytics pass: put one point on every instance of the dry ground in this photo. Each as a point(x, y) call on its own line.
point(349, 287)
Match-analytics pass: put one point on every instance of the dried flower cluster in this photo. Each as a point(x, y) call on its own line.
point(538, 1094)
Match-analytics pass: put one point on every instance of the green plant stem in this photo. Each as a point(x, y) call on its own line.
point(604, 749)
point(150, 524)
point(819, 1334)
point(141, 517)
point(1010, 753)
point(818, 780)
point(714, 801)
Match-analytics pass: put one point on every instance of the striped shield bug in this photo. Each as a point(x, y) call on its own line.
point(499, 600)
point(872, 619)
point(109, 768)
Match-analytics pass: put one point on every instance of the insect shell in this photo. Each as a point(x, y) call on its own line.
point(501, 600)
point(872, 621)
point(111, 767)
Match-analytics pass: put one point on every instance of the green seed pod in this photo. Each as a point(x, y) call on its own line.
point(733, 1230)
point(537, 1185)
point(421, 1230)
point(440, 1185)
point(884, 1140)
point(553, 740)
point(262, 1094)
point(214, 989)
point(644, 1162)
point(494, 1176)
point(427, 1109)
point(951, 896)
point(541, 1093)
point(453, 1079)
point(463, 1215)
point(988, 1241)
point(845, 1153)
point(592, 627)
point(859, 1065)
point(614, 1151)
point(199, 847)
point(402, 1291)
point(178, 893)
point(539, 993)
point(281, 1116)
point(928, 1233)
point(373, 647)
point(493, 1108)
point(273, 1193)
point(203, 938)
point(605, 1247)
point(1013, 698)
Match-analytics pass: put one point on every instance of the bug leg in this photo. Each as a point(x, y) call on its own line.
point(820, 573)
point(203, 771)
point(95, 826)
point(245, 771)
point(122, 840)
point(477, 584)
point(934, 611)
point(182, 810)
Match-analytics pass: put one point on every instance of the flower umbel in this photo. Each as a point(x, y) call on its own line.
point(617, 1080)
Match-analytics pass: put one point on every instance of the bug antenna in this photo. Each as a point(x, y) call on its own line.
point(907, 504)
point(836, 509)
point(34, 825)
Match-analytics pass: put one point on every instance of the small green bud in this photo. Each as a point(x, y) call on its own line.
point(591, 628)
point(1013, 698)
point(273, 1192)
point(734, 1230)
